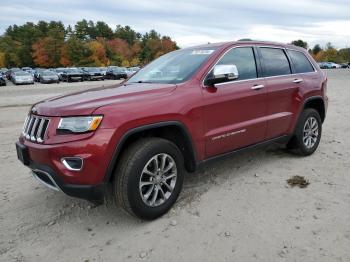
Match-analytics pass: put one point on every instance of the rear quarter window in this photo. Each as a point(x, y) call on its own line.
point(300, 62)
point(275, 62)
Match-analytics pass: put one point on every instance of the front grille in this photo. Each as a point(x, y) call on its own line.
point(35, 127)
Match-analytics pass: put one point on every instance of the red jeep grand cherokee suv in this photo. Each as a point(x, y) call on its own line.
point(183, 109)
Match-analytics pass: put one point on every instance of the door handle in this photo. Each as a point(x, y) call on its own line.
point(257, 87)
point(297, 80)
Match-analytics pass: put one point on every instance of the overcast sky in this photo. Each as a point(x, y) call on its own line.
point(191, 22)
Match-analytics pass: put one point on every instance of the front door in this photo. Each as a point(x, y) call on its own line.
point(235, 112)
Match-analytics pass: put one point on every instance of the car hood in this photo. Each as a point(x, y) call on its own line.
point(74, 74)
point(23, 77)
point(86, 102)
point(52, 76)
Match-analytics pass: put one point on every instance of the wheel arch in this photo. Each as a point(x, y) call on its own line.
point(173, 131)
point(317, 103)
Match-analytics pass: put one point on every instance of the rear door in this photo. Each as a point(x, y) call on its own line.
point(303, 68)
point(235, 111)
point(282, 90)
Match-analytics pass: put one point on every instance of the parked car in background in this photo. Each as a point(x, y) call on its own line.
point(103, 71)
point(10, 71)
point(27, 69)
point(92, 73)
point(116, 73)
point(22, 77)
point(71, 75)
point(138, 139)
point(345, 65)
point(335, 65)
point(133, 70)
point(329, 65)
point(59, 72)
point(31, 71)
point(324, 65)
point(127, 71)
point(2, 80)
point(37, 73)
point(3, 71)
point(48, 76)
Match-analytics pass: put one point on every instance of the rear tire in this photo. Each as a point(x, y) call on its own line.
point(142, 184)
point(307, 134)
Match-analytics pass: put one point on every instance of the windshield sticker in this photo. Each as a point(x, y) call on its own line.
point(202, 52)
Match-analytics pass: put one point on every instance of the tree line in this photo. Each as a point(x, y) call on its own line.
point(327, 53)
point(52, 44)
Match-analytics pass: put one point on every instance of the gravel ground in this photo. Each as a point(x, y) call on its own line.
point(237, 209)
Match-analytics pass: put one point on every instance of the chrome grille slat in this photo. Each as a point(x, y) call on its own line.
point(35, 128)
point(40, 129)
point(25, 125)
point(36, 121)
point(28, 127)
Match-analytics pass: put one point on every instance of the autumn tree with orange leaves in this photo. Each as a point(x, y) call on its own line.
point(51, 44)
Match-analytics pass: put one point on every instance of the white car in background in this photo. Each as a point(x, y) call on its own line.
point(22, 77)
point(132, 70)
point(335, 65)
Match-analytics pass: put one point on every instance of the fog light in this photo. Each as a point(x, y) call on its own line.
point(72, 163)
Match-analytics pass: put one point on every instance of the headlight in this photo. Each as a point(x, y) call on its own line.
point(79, 124)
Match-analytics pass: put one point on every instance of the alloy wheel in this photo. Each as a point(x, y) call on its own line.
point(158, 180)
point(310, 132)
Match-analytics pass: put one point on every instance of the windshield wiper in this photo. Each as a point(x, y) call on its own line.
point(142, 82)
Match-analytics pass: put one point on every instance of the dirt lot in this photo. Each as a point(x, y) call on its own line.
point(237, 209)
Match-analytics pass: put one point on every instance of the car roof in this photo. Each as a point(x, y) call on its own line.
point(247, 42)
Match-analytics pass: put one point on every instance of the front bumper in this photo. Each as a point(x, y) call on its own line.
point(96, 77)
point(49, 81)
point(47, 166)
point(23, 82)
point(47, 176)
point(75, 78)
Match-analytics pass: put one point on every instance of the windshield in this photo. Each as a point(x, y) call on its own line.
point(117, 70)
point(92, 70)
point(174, 67)
point(22, 73)
point(48, 73)
point(73, 71)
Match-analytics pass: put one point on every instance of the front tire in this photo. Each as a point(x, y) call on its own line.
point(149, 178)
point(307, 134)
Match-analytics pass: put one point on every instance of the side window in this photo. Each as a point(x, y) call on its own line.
point(275, 62)
point(300, 62)
point(244, 59)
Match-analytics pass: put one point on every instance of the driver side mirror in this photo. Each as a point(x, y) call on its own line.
point(221, 74)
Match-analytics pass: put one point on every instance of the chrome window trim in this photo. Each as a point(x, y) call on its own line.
point(228, 50)
point(238, 81)
point(251, 79)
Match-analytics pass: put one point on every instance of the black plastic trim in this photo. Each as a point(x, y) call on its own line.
point(87, 192)
point(316, 98)
point(130, 132)
point(280, 139)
